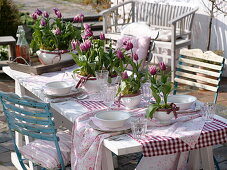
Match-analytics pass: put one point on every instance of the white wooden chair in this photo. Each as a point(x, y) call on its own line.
point(177, 19)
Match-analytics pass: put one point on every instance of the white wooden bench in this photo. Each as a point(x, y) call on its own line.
point(177, 19)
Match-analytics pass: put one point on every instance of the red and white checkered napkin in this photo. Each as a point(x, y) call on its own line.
point(154, 145)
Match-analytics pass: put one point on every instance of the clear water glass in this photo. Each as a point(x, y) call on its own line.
point(209, 110)
point(146, 92)
point(102, 76)
point(109, 94)
point(139, 127)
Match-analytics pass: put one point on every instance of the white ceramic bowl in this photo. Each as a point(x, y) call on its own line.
point(58, 87)
point(184, 102)
point(131, 102)
point(111, 119)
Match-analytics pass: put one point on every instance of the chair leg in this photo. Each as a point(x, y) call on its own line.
point(216, 163)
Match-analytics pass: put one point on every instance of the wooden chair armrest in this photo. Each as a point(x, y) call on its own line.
point(105, 12)
point(175, 20)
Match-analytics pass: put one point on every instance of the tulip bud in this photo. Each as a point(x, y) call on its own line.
point(87, 44)
point(102, 36)
point(76, 18)
point(83, 47)
point(74, 44)
point(57, 31)
point(135, 57)
point(81, 18)
point(128, 46)
point(34, 16)
point(87, 27)
point(43, 22)
point(88, 33)
point(58, 13)
point(45, 14)
point(124, 75)
point(120, 55)
point(55, 10)
point(38, 12)
point(162, 66)
point(153, 70)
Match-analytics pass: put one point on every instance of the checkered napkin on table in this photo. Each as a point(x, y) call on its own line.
point(212, 133)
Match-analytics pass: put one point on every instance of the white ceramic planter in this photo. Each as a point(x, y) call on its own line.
point(131, 102)
point(163, 117)
point(52, 57)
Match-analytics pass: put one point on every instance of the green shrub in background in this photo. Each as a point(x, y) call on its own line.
point(9, 18)
point(3, 53)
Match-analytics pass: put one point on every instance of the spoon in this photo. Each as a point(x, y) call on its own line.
point(82, 96)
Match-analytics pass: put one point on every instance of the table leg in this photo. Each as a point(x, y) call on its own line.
point(194, 162)
point(107, 159)
point(207, 158)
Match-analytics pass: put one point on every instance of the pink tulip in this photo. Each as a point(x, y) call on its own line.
point(135, 57)
point(120, 55)
point(43, 22)
point(58, 13)
point(87, 44)
point(55, 10)
point(76, 18)
point(38, 12)
point(87, 27)
point(102, 36)
point(81, 17)
point(128, 46)
point(74, 44)
point(88, 33)
point(57, 31)
point(45, 14)
point(162, 66)
point(34, 16)
point(83, 47)
point(124, 75)
point(153, 70)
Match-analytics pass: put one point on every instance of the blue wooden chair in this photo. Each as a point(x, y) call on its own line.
point(33, 119)
point(202, 70)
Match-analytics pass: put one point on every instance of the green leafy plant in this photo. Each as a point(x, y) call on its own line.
point(130, 84)
point(53, 33)
point(91, 54)
point(161, 87)
point(3, 53)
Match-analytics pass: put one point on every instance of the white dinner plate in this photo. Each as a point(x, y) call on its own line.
point(125, 127)
point(72, 92)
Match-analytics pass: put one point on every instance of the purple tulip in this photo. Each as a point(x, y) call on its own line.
point(128, 46)
point(162, 66)
point(34, 16)
point(38, 12)
point(153, 70)
point(45, 14)
point(83, 47)
point(81, 17)
point(88, 33)
point(120, 55)
point(75, 44)
point(102, 36)
point(87, 27)
point(124, 75)
point(87, 44)
point(57, 31)
point(58, 13)
point(55, 10)
point(43, 22)
point(76, 18)
point(135, 57)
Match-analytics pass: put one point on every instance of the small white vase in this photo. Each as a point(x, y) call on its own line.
point(163, 117)
point(52, 57)
point(131, 102)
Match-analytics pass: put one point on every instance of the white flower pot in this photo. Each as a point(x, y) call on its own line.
point(52, 57)
point(131, 102)
point(91, 85)
point(163, 117)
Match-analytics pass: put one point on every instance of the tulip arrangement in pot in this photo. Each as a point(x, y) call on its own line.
point(161, 87)
point(91, 57)
point(130, 85)
point(53, 36)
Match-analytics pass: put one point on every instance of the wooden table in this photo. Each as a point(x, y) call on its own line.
point(66, 112)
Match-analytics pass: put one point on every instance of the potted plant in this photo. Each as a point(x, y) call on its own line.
point(53, 36)
point(161, 87)
point(90, 57)
point(129, 88)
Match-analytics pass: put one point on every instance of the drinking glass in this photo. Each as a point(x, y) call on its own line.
point(102, 77)
point(146, 92)
point(209, 110)
point(139, 127)
point(109, 95)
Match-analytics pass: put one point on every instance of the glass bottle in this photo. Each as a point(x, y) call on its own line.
point(22, 47)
